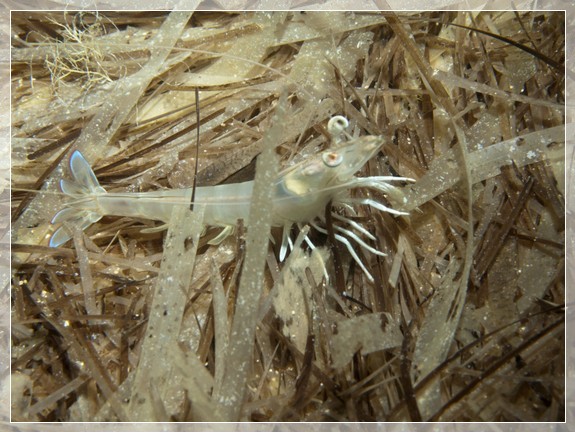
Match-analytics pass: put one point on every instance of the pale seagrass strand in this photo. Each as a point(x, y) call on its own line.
point(171, 293)
point(452, 298)
point(240, 343)
point(159, 357)
point(444, 172)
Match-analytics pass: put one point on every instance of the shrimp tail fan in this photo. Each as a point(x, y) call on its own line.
point(82, 211)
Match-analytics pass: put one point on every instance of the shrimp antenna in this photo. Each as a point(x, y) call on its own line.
point(197, 91)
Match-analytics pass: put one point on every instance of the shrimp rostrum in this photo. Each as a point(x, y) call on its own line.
point(301, 193)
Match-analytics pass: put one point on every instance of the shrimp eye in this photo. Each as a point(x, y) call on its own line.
point(332, 159)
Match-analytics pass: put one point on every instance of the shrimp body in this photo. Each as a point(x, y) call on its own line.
point(301, 193)
point(225, 204)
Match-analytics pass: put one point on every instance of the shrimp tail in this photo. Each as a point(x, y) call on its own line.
point(83, 210)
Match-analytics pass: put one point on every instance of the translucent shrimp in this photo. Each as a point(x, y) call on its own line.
point(301, 194)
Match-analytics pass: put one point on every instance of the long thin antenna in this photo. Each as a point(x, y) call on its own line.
point(197, 91)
